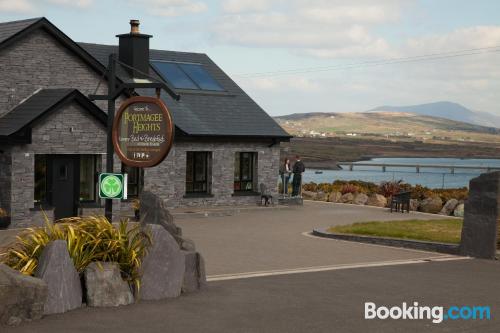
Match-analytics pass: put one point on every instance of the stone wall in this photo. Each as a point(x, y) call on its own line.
point(168, 180)
point(52, 135)
point(5, 177)
point(40, 61)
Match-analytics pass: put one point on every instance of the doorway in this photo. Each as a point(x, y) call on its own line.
point(64, 181)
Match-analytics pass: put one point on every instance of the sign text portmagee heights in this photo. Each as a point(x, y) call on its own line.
point(142, 132)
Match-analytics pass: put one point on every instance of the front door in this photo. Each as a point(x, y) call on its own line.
point(64, 185)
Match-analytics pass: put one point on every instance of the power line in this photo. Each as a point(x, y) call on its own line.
point(390, 61)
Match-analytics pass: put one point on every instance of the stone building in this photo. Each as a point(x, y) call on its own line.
point(53, 137)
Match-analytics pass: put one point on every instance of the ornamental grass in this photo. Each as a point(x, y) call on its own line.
point(89, 239)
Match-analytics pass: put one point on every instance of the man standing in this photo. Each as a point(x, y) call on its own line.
point(298, 168)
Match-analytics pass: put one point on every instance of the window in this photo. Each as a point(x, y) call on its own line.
point(198, 172)
point(135, 180)
point(40, 179)
point(90, 166)
point(186, 75)
point(244, 171)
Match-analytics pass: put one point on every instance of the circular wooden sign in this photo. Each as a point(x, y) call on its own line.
point(143, 132)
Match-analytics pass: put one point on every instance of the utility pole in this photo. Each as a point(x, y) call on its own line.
point(108, 208)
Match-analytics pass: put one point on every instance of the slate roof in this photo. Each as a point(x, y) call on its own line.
point(9, 29)
point(201, 113)
point(42, 102)
point(230, 113)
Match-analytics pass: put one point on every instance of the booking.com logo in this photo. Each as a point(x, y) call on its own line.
point(435, 313)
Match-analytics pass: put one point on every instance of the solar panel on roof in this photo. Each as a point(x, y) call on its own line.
point(201, 77)
point(173, 74)
point(186, 76)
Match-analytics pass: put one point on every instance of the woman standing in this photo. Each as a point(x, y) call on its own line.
point(285, 172)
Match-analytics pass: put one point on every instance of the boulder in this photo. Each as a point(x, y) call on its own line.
point(347, 198)
point(56, 268)
point(376, 200)
point(321, 196)
point(360, 199)
point(153, 211)
point(449, 207)
point(334, 197)
point(414, 204)
point(308, 195)
point(163, 267)
point(431, 205)
point(459, 210)
point(194, 274)
point(105, 286)
point(22, 297)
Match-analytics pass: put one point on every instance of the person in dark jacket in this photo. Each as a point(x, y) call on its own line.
point(298, 169)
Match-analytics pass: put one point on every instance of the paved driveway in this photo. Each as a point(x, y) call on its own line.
point(331, 301)
point(274, 240)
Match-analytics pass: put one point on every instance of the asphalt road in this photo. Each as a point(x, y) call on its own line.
point(273, 240)
point(331, 301)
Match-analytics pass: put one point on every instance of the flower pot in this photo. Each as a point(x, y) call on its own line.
point(4, 222)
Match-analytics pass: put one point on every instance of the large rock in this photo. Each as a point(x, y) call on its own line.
point(376, 200)
point(449, 207)
point(360, 199)
point(105, 286)
point(153, 211)
point(334, 197)
point(22, 297)
point(431, 205)
point(56, 268)
point(347, 198)
point(308, 195)
point(321, 196)
point(163, 267)
point(414, 204)
point(194, 274)
point(459, 210)
point(481, 216)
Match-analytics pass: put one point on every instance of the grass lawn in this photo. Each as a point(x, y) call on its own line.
point(443, 231)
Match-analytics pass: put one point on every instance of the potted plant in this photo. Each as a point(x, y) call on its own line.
point(4, 219)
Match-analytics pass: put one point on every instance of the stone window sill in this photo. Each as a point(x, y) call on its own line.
point(197, 195)
point(245, 194)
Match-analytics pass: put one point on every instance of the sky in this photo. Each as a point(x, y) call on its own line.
point(294, 56)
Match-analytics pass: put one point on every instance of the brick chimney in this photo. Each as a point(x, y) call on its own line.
point(133, 49)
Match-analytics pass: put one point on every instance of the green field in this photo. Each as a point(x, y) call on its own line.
point(442, 231)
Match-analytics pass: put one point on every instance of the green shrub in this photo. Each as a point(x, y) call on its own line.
point(89, 239)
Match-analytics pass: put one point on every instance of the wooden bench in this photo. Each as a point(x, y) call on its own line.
point(401, 201)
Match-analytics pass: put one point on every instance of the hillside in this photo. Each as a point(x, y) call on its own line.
point(447, 110)
point(395, 126)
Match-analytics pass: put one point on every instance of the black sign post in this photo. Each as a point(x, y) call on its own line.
point(114, 92)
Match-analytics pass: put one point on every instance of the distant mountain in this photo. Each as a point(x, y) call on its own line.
point(386, 124)
point(446, 110)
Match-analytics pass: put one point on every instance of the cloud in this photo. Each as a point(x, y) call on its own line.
point(242, 6)
point(72, 3)
point(171, 8)
point(318, 28)
point(17, 6)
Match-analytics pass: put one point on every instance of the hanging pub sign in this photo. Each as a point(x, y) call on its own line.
point(143, 131)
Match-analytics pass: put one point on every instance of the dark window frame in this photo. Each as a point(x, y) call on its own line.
point(138, 181)
point(207, 182)
point(238, 186)
point(96, 157)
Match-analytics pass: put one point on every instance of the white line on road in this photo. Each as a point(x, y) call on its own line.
point(247, 275)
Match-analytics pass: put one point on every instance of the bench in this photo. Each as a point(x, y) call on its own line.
point(401, 201)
